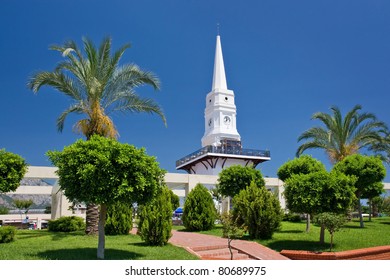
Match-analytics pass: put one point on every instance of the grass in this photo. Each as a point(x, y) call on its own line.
point(292, 236)
point(45, 245)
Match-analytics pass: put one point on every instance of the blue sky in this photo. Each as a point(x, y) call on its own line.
point(285, 60)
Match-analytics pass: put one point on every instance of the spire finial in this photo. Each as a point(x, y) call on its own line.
point(218, 28)
point(219, 78)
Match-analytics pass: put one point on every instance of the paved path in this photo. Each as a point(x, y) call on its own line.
point(208, 247)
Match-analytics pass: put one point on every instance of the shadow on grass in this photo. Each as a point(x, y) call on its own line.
point(298, 245)
point(26, 234)
point(88, 254)
point(291, 231)
point(385, 223)
point(356, 226)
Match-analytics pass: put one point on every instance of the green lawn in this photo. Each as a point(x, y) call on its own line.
point(292, 236)
point(44, 245)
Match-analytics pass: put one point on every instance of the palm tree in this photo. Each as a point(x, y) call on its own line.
point(97, 86)
point(345, 136)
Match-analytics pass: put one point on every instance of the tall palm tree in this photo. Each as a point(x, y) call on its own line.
point(345, 136)
point(97, 86)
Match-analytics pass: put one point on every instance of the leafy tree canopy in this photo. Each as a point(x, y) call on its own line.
point(369, 172)
point(236, 178)
point(319, 192)
point(302, 165)
point(12, 170)
point(104, 171)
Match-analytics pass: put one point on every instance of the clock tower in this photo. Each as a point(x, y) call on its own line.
point(221, 143)
point(220, 112)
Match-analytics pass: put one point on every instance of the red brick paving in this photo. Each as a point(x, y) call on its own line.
point(213, 247)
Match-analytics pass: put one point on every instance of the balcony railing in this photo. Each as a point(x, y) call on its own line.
point(223, 150)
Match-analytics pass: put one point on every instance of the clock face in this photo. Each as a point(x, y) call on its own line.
point(226, 120)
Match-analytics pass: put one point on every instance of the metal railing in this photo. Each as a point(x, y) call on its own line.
point(223, 150)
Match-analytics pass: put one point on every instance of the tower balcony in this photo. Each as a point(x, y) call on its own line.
point(211, 153)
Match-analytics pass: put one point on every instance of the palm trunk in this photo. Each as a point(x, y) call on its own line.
point(92, 219)
point(102, 240)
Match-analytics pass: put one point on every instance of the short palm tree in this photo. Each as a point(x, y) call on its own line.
point(98, 86)
point(345, 136)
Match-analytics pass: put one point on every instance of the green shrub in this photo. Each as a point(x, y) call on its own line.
point(67, 224)
point(175, 200)
point(4, 210)
point(7, 234)
point(155, 219)
point(258, 210)
point(199, 210)
point(331, 222)
point(292, 217)
point(119, 219)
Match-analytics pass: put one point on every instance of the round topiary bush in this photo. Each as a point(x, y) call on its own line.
point(155, 219)
point(119, 219)
point(258, 210)
point(7, 234)
point(67, 224)
point(199, 210)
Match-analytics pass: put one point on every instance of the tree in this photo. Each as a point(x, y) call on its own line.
point(302, 165)
point(319, 192)
point(12, 170)
point(103, 171)
point(235, 178)
point(332, 222)
point(119, 219)
point(257, 210)
point(199, 210)
point(386, 205)
point(155, 219)
point(230, 230)
point(174, 199)
point(368, 172)
point(342, 137)
point(98, 86)
point(22, 204)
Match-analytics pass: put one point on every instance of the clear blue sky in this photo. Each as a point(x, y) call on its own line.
point(285, 60)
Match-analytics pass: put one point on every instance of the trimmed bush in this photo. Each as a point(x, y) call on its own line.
point(175, 200)
point(7, 234)
point(119, 219)
point(292, 217)
point(155, 219)
point(67, 224)
point(199, 210)
point(4, 210)
point(258, 210)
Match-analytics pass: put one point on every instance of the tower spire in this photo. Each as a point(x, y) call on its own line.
point(219, 77)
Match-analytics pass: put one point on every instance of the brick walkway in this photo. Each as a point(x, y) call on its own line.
point(208, 247)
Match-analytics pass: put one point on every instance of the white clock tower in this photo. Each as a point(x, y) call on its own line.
point(221, 143)
point(220, 112)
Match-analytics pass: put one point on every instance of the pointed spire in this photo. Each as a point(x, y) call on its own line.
point(219, 78)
